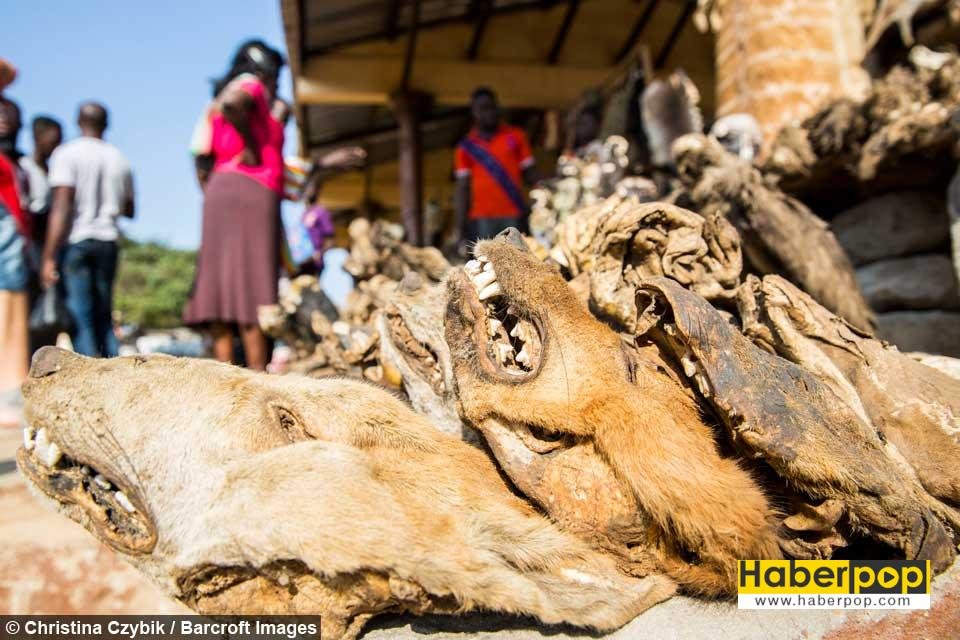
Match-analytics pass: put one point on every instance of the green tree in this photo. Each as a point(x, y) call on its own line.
point(153, 283)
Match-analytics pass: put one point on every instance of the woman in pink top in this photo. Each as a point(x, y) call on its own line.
point(238, 145)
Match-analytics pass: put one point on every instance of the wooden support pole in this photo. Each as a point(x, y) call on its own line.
point(408, 108)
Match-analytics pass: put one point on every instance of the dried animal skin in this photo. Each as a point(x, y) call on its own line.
point(778, 233)
point(786, 415)
point(624, 418)
point(362, 507)
point(915, 408)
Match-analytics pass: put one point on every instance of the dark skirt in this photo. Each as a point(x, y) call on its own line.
point(238, 263)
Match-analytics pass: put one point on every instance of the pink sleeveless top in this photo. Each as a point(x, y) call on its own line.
point(226, 143)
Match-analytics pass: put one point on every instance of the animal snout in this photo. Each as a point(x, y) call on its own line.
point(513, 236)
point(49, 360)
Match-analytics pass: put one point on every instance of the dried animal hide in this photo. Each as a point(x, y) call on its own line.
point(594, 174)
point(378, 248)
point(899, 136)
point(915, 409)
point(412, 344)
point(670, 110)
point(792, 419)
point(778, 233)
point(279, 495)
point(658, 239)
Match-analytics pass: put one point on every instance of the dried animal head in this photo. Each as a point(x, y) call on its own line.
point(236, 491)
point(584, 426)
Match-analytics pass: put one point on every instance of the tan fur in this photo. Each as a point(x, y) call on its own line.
point(253, 483)
point(649, 430)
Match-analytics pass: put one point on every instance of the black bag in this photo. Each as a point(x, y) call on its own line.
point(50, 315)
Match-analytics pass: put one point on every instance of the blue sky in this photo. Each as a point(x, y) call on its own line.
point(150, 63)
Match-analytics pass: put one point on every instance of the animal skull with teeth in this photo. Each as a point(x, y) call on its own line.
point(594, 432)
point(242, 492)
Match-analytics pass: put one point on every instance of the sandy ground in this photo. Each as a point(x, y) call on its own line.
point(50, 565)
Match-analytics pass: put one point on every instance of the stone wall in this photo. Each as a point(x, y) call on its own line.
point(899, 243)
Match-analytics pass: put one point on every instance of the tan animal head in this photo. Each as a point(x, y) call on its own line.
point(534, 367)
point(246, 493)
point(412, 344)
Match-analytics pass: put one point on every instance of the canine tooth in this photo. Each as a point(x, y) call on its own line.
point(124, 501)
point(503, 350)
point(493, 327)
point(484, 279)
point(28, 442)
point(490, 291)
point(523, 357)
point(473, 267)
point(85, 470)
point(52, 455)
point(43, 441)
point(689, 365)
point(101, 482)
point(488, 267)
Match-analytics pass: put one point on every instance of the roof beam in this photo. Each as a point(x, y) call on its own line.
point(481, 10)
point(371, 80)
point(411, 50)
point(530, 5)
point(678, 26)
point(642, 21)
point(393, 15)
point(564, 30)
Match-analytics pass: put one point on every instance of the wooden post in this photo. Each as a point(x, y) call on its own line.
point(408, 107)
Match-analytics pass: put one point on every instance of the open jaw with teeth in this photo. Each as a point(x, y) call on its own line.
point(508, 342)
point(85, 495)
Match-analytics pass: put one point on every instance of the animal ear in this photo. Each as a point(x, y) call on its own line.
point(290, 423)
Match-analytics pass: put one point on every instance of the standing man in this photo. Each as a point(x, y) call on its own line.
point(92, 187)
point(492, 164)
point(47, 136)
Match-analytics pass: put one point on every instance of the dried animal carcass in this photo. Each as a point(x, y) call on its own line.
point(586, 178)
point(277, 495)
point(779, 234)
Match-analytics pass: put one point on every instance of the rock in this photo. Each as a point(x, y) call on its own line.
point(892, 225)
point(928, 331)
point(918, 282)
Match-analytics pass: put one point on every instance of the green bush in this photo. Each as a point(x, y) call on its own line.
point(153, 282)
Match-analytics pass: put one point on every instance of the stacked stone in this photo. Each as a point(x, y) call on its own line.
point(899, 244)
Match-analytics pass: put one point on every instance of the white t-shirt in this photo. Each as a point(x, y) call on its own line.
point(103, 181)
point(39, 185)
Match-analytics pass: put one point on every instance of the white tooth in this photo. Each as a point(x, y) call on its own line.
point(43, 441)
point(85, 470)
point(52, 455)
point(484, 279)
point(689, 364)
point(28, 442)
point(473, 267)
point(101, 482)
point(493, 327)
point(124, 501)
point(503, 350)
point(483, 259)
point(490, 291)
point(523, 357)
point(488, 266)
